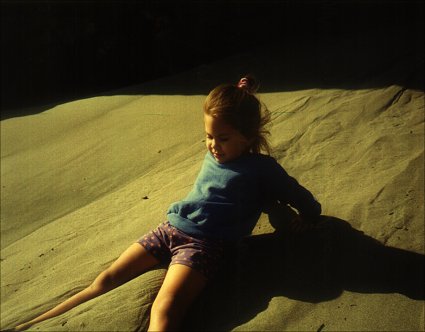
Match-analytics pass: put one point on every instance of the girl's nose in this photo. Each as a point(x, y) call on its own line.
point(214, 146)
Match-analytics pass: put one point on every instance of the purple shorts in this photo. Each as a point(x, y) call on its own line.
point(169, 244)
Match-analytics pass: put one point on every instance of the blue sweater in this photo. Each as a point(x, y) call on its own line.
point(227, 199)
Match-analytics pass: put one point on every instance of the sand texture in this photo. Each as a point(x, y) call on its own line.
point(82, 180)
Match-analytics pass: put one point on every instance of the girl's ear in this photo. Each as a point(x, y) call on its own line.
point(250, 142)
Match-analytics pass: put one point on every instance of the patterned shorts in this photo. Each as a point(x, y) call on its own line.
point(169, 244)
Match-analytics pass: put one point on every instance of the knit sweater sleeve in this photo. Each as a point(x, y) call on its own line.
point(287, 190)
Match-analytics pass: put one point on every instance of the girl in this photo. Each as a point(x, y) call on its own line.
point(232, 189)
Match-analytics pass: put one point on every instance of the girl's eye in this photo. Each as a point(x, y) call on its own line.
point(219, 139)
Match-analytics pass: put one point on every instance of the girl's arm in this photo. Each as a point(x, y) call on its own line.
point(287, 190)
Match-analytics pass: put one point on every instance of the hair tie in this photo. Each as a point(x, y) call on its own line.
point(249, 84)
point(243, 83)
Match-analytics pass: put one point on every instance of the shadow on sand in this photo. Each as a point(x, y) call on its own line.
point(311, 266)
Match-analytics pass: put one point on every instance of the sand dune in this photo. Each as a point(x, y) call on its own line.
point(83, 180)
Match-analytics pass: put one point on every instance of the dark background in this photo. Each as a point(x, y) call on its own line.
point(54, 51)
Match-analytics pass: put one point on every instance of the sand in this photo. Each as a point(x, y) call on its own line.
point(82, 180)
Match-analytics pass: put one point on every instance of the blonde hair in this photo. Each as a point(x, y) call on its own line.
point(238, 106)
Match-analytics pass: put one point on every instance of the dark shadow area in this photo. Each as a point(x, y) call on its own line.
point(311, 266)
point(53, 52)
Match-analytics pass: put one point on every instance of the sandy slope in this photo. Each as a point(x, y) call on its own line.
point(83, 180)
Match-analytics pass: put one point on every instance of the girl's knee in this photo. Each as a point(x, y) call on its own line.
point(103, 283)
point(167, 311)
point(164, 305)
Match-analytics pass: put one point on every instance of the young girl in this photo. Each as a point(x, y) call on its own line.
point(232, 189)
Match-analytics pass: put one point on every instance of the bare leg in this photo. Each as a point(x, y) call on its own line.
point(132, 263)
point(181, 286)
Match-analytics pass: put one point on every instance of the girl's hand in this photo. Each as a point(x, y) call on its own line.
point(300, 224)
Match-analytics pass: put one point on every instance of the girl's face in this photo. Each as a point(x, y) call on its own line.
point(223, 141)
